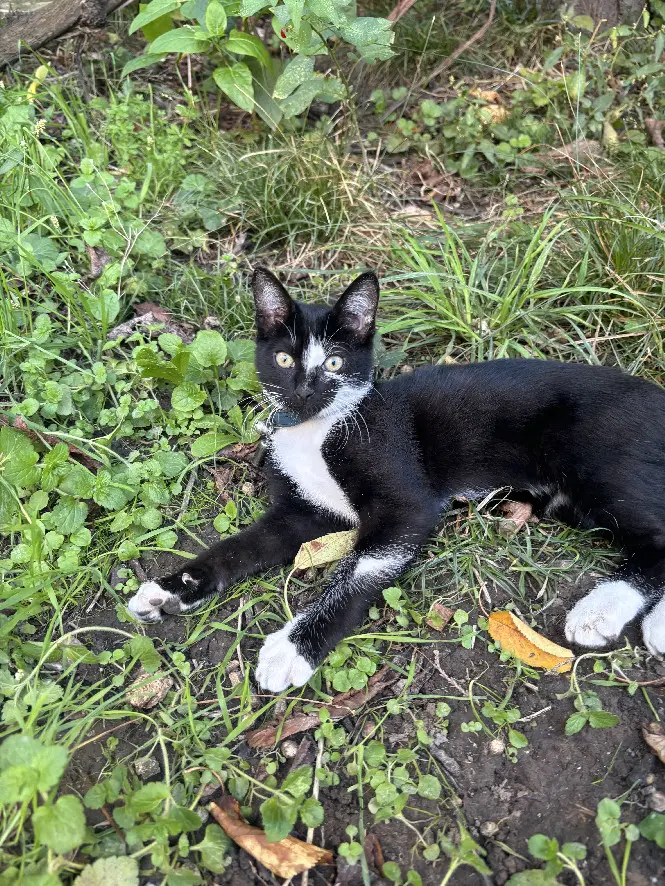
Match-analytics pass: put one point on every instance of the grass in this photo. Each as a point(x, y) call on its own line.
point(115, 477)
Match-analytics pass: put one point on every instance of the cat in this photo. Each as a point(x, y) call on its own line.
point(582, 443)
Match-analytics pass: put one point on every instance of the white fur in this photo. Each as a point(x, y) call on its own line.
point(147, 602)
point(314, 355)
point(602, 614)
point(280, 665)
point(296, 452)
point(382, 564)
point(653, 629)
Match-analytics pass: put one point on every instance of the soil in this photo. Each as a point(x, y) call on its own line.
point(553, 788)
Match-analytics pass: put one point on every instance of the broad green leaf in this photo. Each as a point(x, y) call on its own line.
point(171, 463)
point(575, 850)
point(298, 71)
point(95, 797)
point(327, 549)
point(251, 7)
point(653, 828)
point(576, 722)
point(18, 750)
point(532, 878)
point(602, 719)
point(279, 815)
point(583, 22)
point(543, 847)
point(295, 8)
point(216, 18)
point(298, 102)
point(148, 798)
point(236, 82)
point(209, 348)
point(187, 397)
point(17, 458)
point(429, 787)
point(209, 444)
point(69, 514)
point(372, 37)
point(298, 782)
point(109, 494)
point(247, 44)
point(178, 40)
point(213, 848)
point(241, 349)
point(333, 11)
point(112, 871)
point(152, 11)
point(517, 739)
point(61, 827)
point(78, 481)
point(141, 61)
point(608, 820)
point(311, 813)
point(150, 243)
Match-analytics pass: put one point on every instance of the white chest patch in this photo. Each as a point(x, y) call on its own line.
point(296, 452)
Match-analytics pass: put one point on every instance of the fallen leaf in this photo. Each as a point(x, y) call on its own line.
point(163, 315)
point(99, 258)
point(442, 615)
point(341, 706)
point(326, 549)
point(147, 315)
point(654, 735)
point(374, 852)
point(517, 513)
point(285, 858)
point(147, 690)
point(524, 643)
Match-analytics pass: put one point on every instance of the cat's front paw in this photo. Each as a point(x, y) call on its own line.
point(154, 599)
point(653, 629)
point(280, 664)
point(600, 617)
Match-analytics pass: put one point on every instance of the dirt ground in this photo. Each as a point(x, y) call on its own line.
point(553, 788)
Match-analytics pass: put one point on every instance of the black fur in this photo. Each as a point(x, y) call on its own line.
point(585, 443)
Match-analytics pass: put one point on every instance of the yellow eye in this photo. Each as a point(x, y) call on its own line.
point(284, 360)
point(333, 364)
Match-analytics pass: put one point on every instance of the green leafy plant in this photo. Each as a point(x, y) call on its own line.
point(246, 72)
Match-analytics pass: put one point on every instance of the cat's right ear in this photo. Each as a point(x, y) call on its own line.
point(273, 303)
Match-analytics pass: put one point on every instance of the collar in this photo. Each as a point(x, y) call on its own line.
point(280, 419)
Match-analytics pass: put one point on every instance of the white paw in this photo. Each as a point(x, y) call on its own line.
point(653, 629)
point(147, 602)
point(600, 616)
point(280, 664)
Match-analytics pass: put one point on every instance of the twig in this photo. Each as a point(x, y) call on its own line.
point(186, 497)
point(315, 794)
point(403, 6)
point(446, 63)
point(451, 680)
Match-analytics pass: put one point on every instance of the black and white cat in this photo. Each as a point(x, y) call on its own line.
point(583, 443)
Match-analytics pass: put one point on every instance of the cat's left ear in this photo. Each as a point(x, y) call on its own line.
point(355, 310)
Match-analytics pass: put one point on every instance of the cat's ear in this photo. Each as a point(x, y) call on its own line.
point(355, 310)
point(273, 303)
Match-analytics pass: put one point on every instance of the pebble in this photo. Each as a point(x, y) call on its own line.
point(289, 749)
point(496, 746)
point(489, 828)
point(146, 767)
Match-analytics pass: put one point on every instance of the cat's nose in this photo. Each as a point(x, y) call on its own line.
point(304, 392)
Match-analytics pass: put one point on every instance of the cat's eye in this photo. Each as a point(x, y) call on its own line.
point(284, 360)
point(333, 364)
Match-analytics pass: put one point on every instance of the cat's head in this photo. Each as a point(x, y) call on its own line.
point(314, 359)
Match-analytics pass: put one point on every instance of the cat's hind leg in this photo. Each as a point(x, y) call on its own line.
point(600, 617)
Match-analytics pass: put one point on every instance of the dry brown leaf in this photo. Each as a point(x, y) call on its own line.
point(654, 735)
point(286, 858)
point(487, 95)
point(341, 706)
point(147, 690)
point(524, 643)
point(327, 549)
point(443, 613)
point(517, 513)
point(19, 424)
point(99, 258)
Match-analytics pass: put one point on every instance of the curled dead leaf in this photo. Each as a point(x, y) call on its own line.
point(517, 514)
point(341, 706)
point(526, 644)
point(654, 735)
point(286, 858)
point(327, 549)
point(147, 690)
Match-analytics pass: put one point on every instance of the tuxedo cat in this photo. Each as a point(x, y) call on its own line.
point(582, 443)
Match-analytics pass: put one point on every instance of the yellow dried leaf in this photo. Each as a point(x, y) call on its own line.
point(286, 858)
point(524, 643)
point(326, 549)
